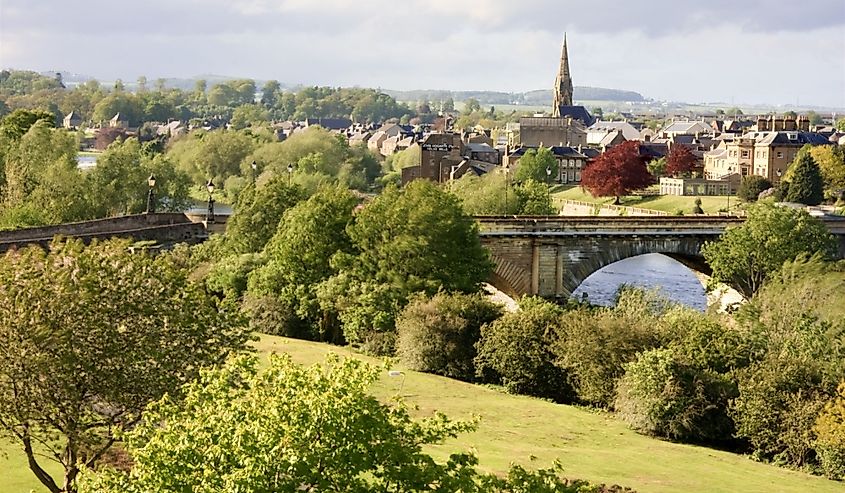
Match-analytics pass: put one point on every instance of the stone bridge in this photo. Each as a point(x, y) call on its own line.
point(550, 256)
point(161, 228)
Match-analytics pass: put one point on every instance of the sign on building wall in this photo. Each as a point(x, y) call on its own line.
point(438, 147)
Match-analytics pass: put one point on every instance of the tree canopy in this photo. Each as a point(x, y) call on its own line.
point(805, 183)
point(533, 165)
point(681, 161)
point(88, 337)
point(617, 172)
point(747, 255)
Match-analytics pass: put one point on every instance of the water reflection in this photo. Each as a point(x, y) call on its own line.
point(674, 280)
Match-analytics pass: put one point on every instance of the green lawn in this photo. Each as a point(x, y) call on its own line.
point(666, 203)
point(591, 445)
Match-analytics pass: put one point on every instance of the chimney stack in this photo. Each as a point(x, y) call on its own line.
point(778, 124)
point(789, 123)
point(762, 124)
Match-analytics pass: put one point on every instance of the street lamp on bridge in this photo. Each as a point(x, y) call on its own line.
point(151, 198)
point(290, 173)
point(209, 217)
point(549, 183)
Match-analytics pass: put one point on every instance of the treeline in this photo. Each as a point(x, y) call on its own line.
point(539, 97)
point(94, 103)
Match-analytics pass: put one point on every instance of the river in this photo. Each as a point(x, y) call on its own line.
point(652, 270)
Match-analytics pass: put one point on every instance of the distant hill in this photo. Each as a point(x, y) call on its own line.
point(540, 97)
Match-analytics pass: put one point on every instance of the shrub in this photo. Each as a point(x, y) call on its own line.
point(751, 187)
point(229, 276)
point(272, 315)
point(662, 395)
point(515, 351)
point(438, 334)
point(593, 345)
point(830, 436)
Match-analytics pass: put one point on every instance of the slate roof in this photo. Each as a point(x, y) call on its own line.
point(329, 123)
point(577, 113)
point(792, 138)
point(686, 127)
point(628, 130)
point(558, 151)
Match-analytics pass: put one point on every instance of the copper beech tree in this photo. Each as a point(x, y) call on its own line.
point(617, 172)
point(681, 161)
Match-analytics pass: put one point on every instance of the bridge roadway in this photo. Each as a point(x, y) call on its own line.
point(550, 256)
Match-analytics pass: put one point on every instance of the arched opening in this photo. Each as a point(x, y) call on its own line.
point(675, 280)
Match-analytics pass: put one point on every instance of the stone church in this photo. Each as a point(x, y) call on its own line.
point(568, 124)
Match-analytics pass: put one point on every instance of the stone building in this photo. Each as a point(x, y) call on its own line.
point(439, 152)
point(766, 152)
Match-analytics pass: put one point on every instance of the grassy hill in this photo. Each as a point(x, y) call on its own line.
point(591, 445)
point(666, 203)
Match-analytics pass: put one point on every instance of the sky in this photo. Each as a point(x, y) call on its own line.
point(741, 52)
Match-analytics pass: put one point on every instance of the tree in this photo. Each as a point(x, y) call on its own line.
point(751, 187)
point(249, 114)
point(815, 118)
point(471, 105)
point(617, 172)
point(533, 165)
point(831, 161)
point(747, 255)
point(657, 167)
point(805, 185)
point(17, 123)
point(681, 161)
point(258, 212)
point(412, 240)
point(830, 430)
point(88, 337)
point(291, 428)
point(298, 258)
point(270, 93)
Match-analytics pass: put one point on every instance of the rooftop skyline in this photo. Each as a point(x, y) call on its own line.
point(732, 52)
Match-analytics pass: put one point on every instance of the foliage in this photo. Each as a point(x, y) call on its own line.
point(412, 240)
point(830, 435)
point(533, 198)
point(533, 165)
point(751, 186)
point(680, 161)
point(515, 350)
point(806, 185)
point(257, 214)
point(213, 155)
point(89, 336)
point(492, 194)
point(594, 345)
point(831, 162)
point(298, 259)
point(747, 255)
point(249, 114)
point(438, 334)
point(657, 167)
point(17, 123)
point(228, 277)
point(617, 172)
point(289, 428)
point(662, 395)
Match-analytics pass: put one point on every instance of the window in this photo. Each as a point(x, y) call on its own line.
point(745, 154)
point(780, 154)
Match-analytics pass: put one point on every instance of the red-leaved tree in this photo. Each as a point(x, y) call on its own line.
point(680, 161)
point(617, 172)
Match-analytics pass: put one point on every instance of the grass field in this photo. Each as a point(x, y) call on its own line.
point(666, 203)
point(591, 445)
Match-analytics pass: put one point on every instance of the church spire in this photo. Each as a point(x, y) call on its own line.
point(563, 82)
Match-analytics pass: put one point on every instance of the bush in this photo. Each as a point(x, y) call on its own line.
point(751, 187)
point(830, 436)
point(515, 351)
point(438, 334)
point(593, 345)
point(662, 395)
point(229, 276)
point(272, 315)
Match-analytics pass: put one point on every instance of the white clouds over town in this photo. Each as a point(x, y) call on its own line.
point(751, 51)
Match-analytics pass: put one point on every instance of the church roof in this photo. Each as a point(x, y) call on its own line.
point(576, 113)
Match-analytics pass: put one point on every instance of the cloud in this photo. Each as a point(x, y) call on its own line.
point(749, 51)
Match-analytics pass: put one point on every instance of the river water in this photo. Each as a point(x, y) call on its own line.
point(652, 270)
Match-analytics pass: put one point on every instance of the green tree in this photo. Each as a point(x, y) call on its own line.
point(805, 184)
point(747, 255)
point(258, 212)
point(532, 198)
point(831, 162)
point(17, 123)
point(830, 433)
point(214, 155)
point(292, 428)
point(416, 240)
point(657, 167)
point(128, 105)
point(751, 187)
point(88, 337)
point(471, 105)
point(249, 114)
point(533, 165)
point(298, 259)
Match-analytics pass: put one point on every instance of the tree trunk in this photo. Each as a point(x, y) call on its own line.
point(616, 200)
point(40, 473)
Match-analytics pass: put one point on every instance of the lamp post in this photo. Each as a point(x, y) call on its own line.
point(730, 169)
point(254, 171)
point(290, 173)
point(778, 172)
point(549, 183)
point(151, 198)
point(209, 217)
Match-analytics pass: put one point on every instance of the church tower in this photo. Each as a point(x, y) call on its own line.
point(563, 83)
